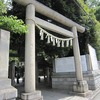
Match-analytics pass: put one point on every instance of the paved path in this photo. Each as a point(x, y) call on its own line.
point(59, 95)
point(54, 94)
point(50, 94)
point(96, 95)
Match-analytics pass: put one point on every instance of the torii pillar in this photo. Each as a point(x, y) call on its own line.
point(80, 86)
point(30, 84)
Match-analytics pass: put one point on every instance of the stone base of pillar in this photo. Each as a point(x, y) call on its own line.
point(7, 92)
point(81, 88)
point(36, 95)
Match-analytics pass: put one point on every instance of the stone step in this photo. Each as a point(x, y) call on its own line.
point(8, 93)
point(36, 95)
point(38, 98)
point(5, 83)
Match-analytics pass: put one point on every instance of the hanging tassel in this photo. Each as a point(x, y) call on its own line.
point(41, 34)
point(62, 43)
point(51, 38)
point(54, 42)
point(67, 43)
point(71, 42)
point(48, 39)
point(58, 43)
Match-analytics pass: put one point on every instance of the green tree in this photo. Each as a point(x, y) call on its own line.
point(97, 13)
point(91, 7)
point(10, 23)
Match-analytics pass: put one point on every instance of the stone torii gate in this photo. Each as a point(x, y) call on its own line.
point(80, 85)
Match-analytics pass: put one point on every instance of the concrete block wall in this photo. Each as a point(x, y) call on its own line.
point(93, 79)
point(66, 80)
point(63, 80)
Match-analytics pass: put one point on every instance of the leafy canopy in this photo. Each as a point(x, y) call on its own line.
point(92, 8)
point(10, 23)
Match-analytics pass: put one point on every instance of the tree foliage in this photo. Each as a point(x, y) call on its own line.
point(3, 8)
point(92, 10)
point(10, 23)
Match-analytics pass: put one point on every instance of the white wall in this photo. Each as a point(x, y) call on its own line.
point(93, 58)
point(67, 64)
